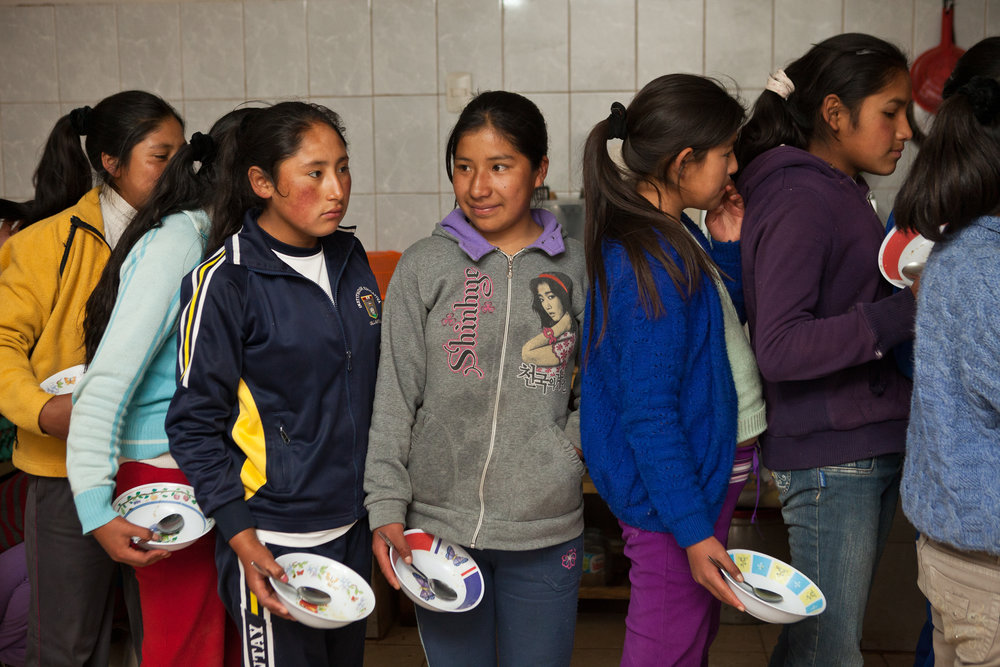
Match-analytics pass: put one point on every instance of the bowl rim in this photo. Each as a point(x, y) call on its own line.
point(369, 592)
point(165, 486)
point(443, 541)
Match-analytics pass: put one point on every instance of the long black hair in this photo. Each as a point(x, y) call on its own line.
point(113, 127)
point(851, 66)
point(181, 187)
point(670, 113)
point(955, 177)
point(274, 135)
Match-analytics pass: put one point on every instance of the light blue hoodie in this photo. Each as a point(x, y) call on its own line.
point(120, 405)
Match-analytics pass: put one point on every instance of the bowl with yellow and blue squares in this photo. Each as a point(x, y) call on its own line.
point(801, 597)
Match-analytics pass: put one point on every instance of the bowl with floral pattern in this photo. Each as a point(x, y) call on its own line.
point(145, 505)
point(63, 382)
point(351, 598)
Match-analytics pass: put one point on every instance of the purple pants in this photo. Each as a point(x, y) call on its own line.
point(672, 619)
point(14, 592)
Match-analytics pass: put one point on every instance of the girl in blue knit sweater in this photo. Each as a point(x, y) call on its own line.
point(669, 384)
point(950, 488)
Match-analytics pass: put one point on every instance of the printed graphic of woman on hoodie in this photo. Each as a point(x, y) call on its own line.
point(550, 350)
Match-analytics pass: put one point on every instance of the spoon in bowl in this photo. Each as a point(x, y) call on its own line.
point(168, 525)
point(760, 593)
point(442, 590)
point(308, 594)
point(912, 270)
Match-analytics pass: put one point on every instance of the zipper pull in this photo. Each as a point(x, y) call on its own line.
point(510, 266)
point(284, 436)
point(348, 360)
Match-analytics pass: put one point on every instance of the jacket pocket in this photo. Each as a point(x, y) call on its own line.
point(436, 467)
point(280, 454)
point(538, 478)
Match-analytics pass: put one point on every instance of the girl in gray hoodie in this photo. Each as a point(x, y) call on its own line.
point(475, 434)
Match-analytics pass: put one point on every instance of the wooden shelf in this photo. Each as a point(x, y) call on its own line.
point(605, 592)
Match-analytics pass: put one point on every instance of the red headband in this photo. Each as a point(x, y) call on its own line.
point(559, 282)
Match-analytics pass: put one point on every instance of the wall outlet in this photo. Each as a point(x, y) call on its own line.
point(458, 91)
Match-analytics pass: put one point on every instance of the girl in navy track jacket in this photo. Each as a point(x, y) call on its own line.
point(278, 347)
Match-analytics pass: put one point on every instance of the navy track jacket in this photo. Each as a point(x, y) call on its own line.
point(275, 385)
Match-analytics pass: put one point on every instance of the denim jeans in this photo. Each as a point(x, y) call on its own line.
point(526, 617)
point(838, 520)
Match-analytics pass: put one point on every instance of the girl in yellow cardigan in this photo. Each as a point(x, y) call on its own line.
point(47, 273)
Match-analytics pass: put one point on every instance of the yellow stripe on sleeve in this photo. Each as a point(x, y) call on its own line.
point(192, 308)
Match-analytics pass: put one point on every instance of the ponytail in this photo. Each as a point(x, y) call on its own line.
point(63, 175)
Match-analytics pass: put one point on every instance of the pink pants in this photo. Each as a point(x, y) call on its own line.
point(672, 619)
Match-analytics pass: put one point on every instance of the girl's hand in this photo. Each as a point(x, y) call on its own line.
point(725, 221)
point(116, 538)
point(394, 533)
point(706, 574)
point(250, 551)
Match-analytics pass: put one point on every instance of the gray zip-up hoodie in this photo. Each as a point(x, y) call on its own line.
point(475, 425)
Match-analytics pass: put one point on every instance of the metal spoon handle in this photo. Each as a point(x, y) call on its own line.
point(438, 587)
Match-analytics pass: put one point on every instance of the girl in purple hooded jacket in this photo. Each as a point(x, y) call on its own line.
point(823, 322)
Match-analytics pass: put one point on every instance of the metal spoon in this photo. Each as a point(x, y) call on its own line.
point(760, 593)
point(308, 594)
point(442, 590)
point(168, 525)
point(912, 270)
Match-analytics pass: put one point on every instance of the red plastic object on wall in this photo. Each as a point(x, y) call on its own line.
point(383, 263)
point(930, 71)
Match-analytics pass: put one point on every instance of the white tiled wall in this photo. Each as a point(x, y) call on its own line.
point(382, 64)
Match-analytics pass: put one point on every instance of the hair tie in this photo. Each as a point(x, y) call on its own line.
point(202, 148)
point(780, 84)
point(616, 122)
point(80, 118)
point(984, 98)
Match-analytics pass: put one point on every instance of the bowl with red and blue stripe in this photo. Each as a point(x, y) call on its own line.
point(442, 560)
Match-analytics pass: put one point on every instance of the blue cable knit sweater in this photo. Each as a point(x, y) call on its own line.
point(951, 478)
point(658, 409)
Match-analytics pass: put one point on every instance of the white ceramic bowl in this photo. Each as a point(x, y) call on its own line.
point(146, 505)
point(63, 382)
point(440, 560)
point(802, 598)
point(898, 249)
point(352, 598)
